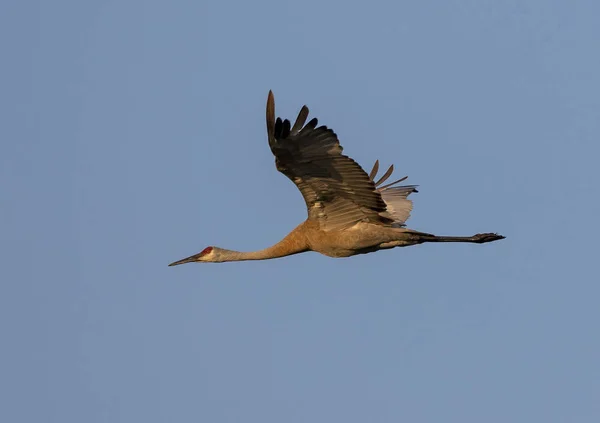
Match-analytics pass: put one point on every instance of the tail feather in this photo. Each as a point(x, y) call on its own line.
point(398, 206)
point(395, 198)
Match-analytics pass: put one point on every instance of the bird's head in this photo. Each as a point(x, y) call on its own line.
point(209, 254)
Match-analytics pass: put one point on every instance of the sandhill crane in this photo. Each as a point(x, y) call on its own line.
point(349, 211)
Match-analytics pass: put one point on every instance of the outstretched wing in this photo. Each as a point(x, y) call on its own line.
point(337, 191)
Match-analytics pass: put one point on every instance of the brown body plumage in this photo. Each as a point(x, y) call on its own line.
point(349, 212)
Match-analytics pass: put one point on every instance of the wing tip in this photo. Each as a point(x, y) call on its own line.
point(301, 119)
point(270, 116)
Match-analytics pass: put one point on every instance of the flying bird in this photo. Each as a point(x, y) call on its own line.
point(349, 211)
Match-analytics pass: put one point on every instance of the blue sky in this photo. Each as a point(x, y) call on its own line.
point(133, 135)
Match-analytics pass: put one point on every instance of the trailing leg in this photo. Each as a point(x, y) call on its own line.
point(477, 239)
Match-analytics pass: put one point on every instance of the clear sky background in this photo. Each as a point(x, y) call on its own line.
point(133, 135)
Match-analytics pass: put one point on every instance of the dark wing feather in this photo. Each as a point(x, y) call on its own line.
point(337, 191)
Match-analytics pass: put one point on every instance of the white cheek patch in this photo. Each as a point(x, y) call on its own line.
point(210, 256)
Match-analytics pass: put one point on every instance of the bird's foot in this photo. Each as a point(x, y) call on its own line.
point(489, 237)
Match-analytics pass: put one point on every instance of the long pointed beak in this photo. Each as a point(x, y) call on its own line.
point(189, 259)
